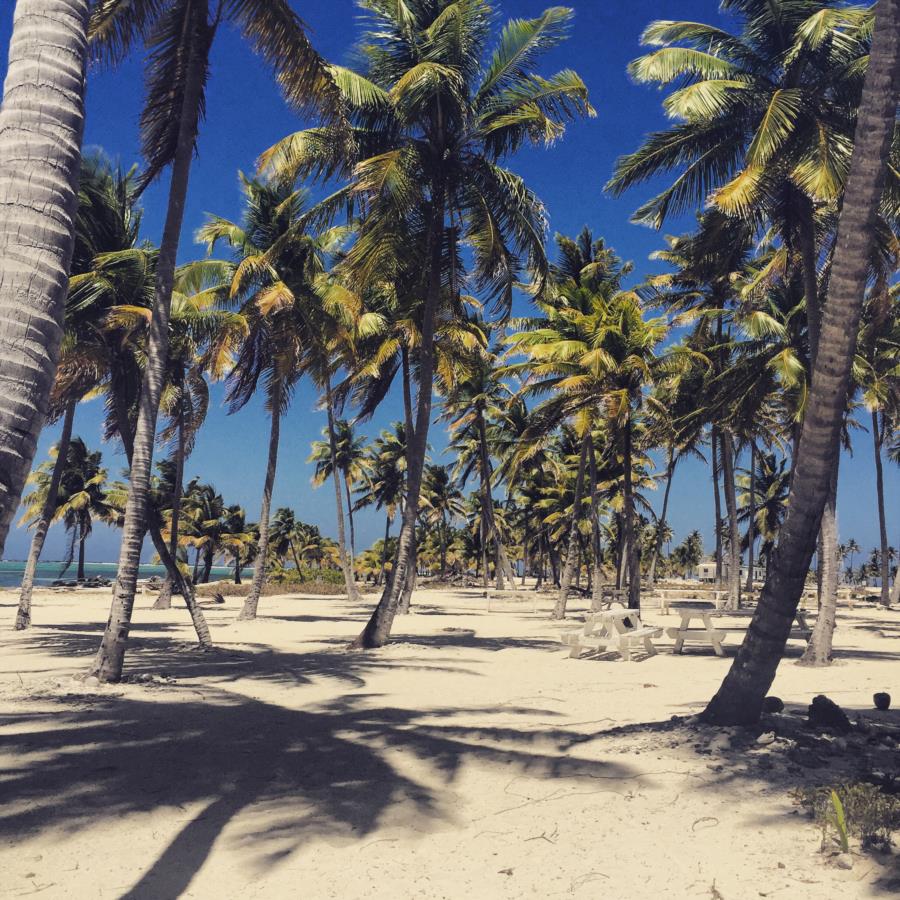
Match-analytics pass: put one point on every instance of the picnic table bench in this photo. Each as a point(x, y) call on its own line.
point(615, 630)
point(520, 594)
point(608, 596)
point(709, 632)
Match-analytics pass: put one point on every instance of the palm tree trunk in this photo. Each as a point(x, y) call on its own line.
point(526, 552)
point(23, 615)
point(596, 586)
point(717, 500)
point(110, 657)
point(559, 610)
point(346, 564)
point(41, 127)
point(877, 440)
point(634, 562)
point(251, 603)
point(443, 545)
point(751, 537)
point(739, 699)
point(164, 600)
point(195, 576)
point(657, 544)
point(82, 538)
point(207, 564)
point(350, 521)
point(378, 628)
point(237, 569)
point(734, 532)
point(818, 650)
point(412, 578)
point(384, 549)
point(504, 569)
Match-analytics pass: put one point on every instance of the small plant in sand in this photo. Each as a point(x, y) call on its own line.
point(857, 809)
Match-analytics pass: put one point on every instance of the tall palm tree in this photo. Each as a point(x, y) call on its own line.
point(239, 539)
point(740, 697)
point(276, 264)
point(178, 35)
point(41, 126)
point(433, 117)
point(474, 400)
point(80, 495)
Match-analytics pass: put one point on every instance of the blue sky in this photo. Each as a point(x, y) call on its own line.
point(245, 115)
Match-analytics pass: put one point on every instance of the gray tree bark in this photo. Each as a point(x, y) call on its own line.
point(41, 127)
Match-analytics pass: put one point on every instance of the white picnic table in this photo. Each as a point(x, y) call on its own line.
point(608, 596)
point(709, 632)
point(613, 630)
point(670, 596)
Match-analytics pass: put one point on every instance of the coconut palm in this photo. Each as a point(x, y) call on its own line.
point(442, 502)
point(434, 116)
point(80, 496)
point(740, 697)
point(41, 126)
point(239, 539)
point(352, 464)
point(178, 36)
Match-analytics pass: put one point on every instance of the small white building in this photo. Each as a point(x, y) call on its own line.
point(706, 571)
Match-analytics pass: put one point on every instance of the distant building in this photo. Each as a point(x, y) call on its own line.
point(706, 571)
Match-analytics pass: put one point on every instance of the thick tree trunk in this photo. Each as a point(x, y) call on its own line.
point(559, 610)
point(251, 603)
point(23, 615)
point(378, 628)
point(734, 532)
point(739, 699)
point(107, 665)
point(657, 545)
point(412, 579)
point(345, 560)
point(818, 650)
point(41, 126)
point(877, 440)
point(631, 544)
point(717, 500)
point(751, 523)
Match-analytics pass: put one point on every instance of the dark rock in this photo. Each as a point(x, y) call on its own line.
point(825, 713)
point(773, 705)
point(882, 700)
point(218, 598)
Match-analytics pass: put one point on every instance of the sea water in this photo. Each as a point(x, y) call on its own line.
point(11, 572)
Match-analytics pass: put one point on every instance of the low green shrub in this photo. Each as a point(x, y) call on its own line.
point(859, 809)
point(230, 589)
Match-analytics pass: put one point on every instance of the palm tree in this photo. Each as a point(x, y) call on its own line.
point(275, 268)
point(239, 539)
point(80, 495)
point(443, 502)
point(433, 119)
point(106, 228)
point(204, 526)
point(740, 697)
point(386, 483)
point(178, 35)
point(41, 126)
point(763, 501)
point(594, 353)
point(474, 399)
point(352, 465)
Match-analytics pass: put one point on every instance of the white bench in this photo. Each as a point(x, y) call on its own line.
point(619, 631)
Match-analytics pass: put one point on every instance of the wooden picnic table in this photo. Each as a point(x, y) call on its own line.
point(709, 632)
point(614, 630)
point(668, 597)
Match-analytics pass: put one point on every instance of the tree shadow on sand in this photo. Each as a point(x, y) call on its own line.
point(333, 771)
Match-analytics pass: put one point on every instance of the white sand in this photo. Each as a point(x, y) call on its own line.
point(469, 759)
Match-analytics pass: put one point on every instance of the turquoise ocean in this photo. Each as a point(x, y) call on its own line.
point(11, 572)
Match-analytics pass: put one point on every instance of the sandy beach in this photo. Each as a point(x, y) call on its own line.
point(470, 758)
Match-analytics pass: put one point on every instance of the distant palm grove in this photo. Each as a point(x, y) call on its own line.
point(376, 259)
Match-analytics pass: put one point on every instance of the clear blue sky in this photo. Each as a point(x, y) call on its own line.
point(245, 115)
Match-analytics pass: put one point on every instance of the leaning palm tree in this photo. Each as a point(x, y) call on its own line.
point(178, 35)
point(434, 117)
point(740, 697)
point(41, 126)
